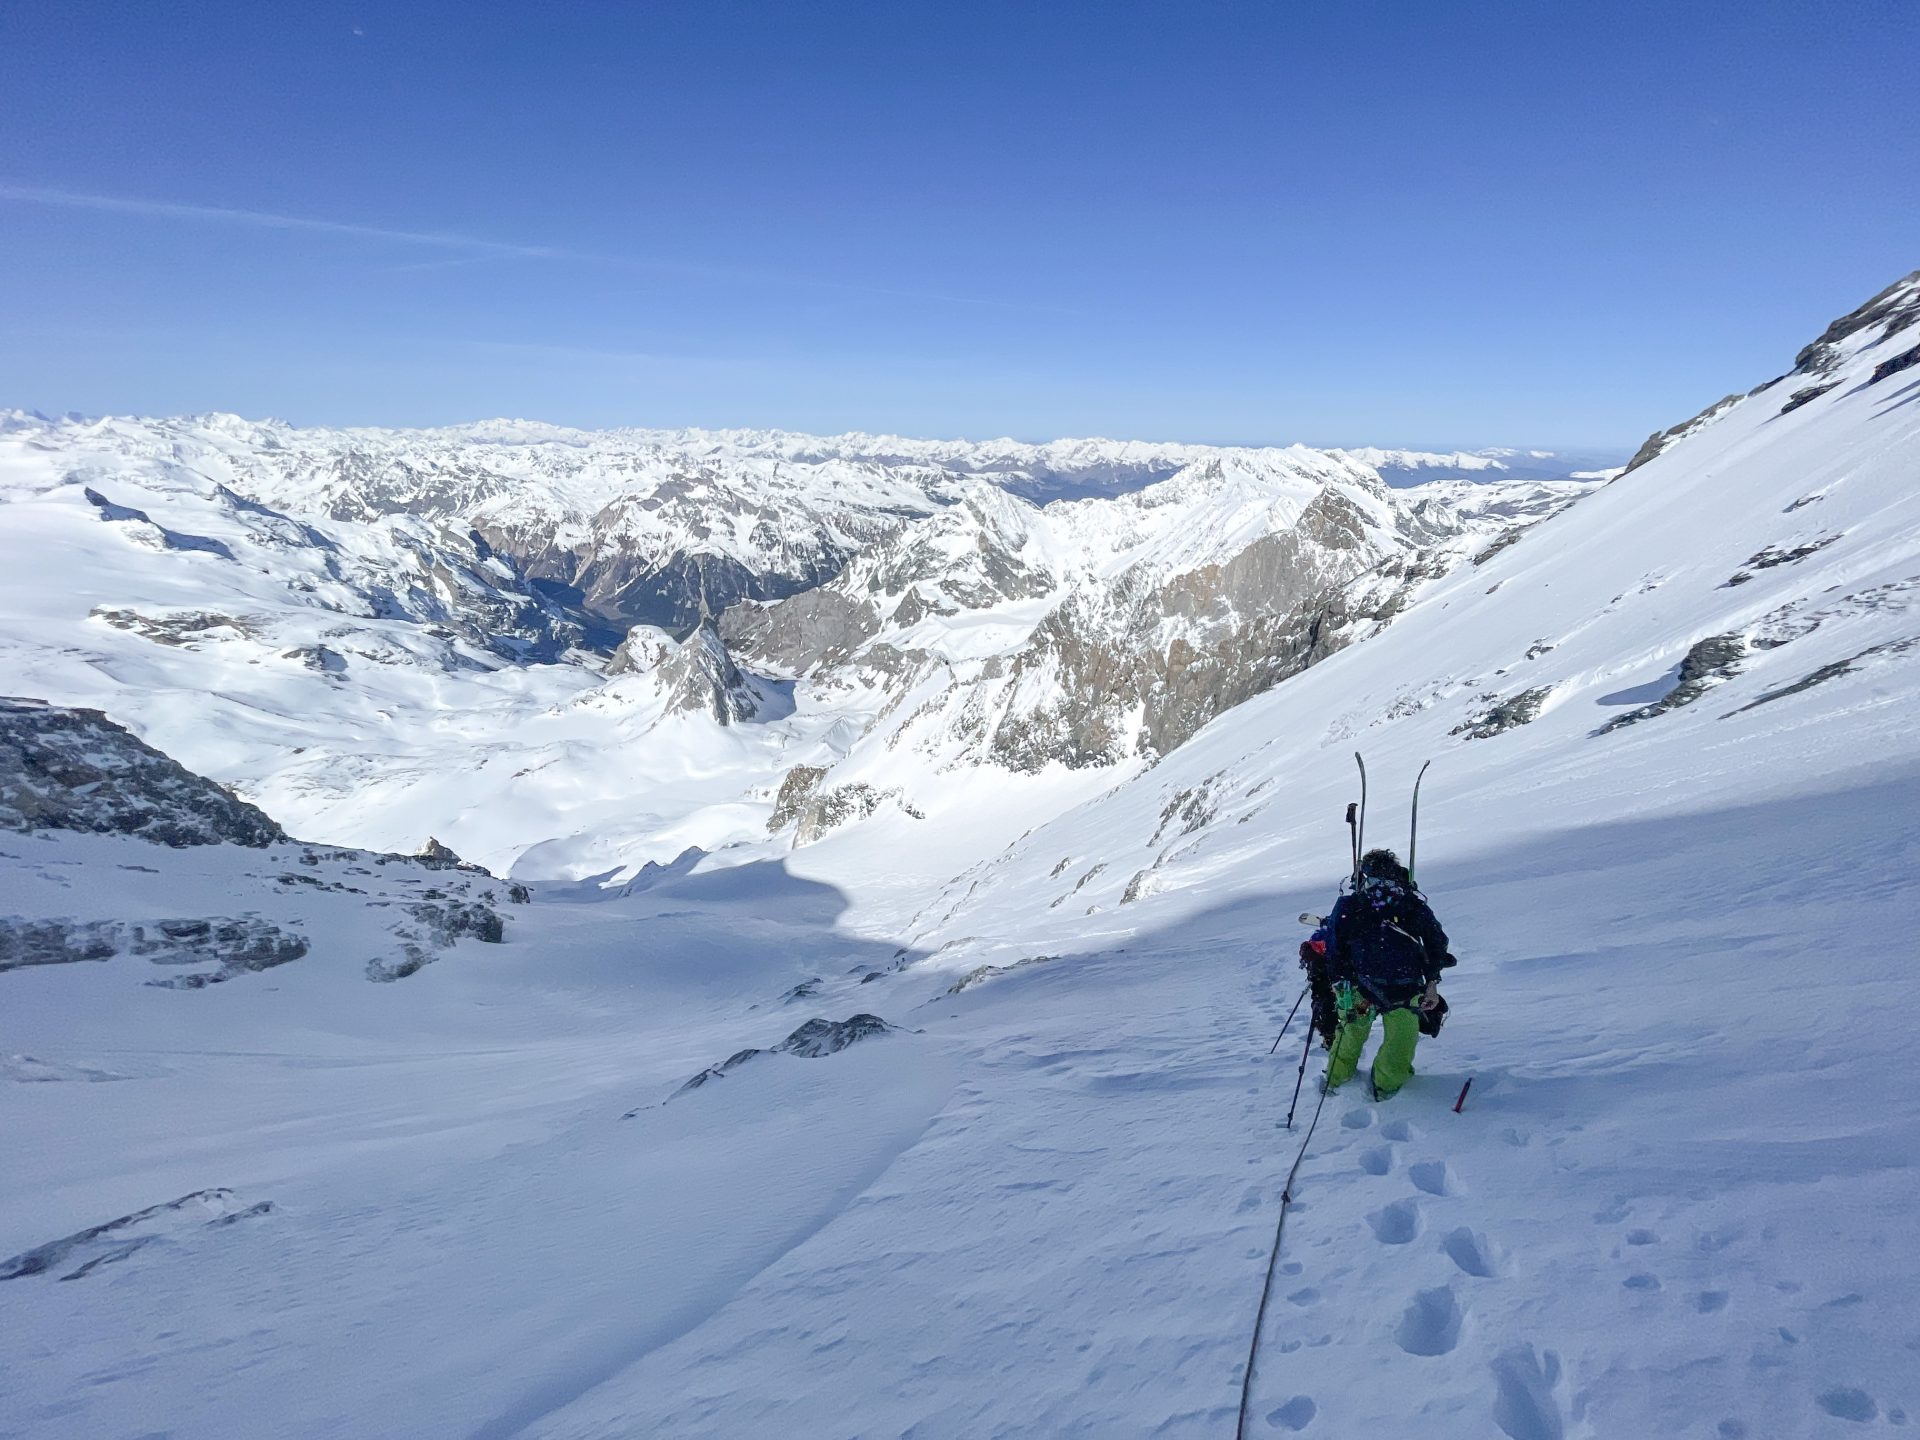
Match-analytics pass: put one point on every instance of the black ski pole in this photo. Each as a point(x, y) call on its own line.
point(1353, 837)
point(1297, 1079)
point(1289, 1025)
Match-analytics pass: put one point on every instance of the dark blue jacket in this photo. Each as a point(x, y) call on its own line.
point(1386, 940)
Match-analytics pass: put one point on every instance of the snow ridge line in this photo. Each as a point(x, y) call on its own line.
point(1273, 1259)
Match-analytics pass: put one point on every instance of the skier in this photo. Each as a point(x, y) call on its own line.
point(1384, 952)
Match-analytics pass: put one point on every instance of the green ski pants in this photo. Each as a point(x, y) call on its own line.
point(1393, 1066)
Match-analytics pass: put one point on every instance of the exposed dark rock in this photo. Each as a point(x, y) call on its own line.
point(1662, 440)
point(1777, 555)
point(1503, 715)
point(71, 769)
point(435, 926)
point(829, 809)
point(1895, 307)
point(1501, 544)
point(55, 942)
point(642, 651)
point(795, 790)
point(180, 627)
point(1806, 395)
point(1825, 673)
point(153, 532)
point(700, 677)
point(987, 972)
point(237, 947)
point(117, 1239)
point(1092, 873)
point(436, 856)
point(319, 658)
point(1190, 810)
point(1708, 663)
point(1905, 360)
point(813, 1040)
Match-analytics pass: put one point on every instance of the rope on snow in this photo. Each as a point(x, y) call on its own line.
point(1273, 1260)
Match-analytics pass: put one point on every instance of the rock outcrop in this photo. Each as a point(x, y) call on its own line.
point(73, 769)
point(813, 1040)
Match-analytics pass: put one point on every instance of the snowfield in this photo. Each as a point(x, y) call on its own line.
point(1669, 827)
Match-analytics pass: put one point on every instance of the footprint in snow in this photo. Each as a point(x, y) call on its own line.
point(1357, 1119)
point(1377, 1161)
point(1472, 1252)
point(1432, 1176)
point(1296, 1414)
point(1396, 1224)
point(1431, 1325)
point(1524, 1404)
point(1848, 1403)
point(1709, 1302)
point(1399, 1130)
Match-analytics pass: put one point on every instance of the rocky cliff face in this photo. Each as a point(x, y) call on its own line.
point(1084, 633)
point(67, 769)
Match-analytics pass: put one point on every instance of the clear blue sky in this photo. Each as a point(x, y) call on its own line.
point(1338, 222)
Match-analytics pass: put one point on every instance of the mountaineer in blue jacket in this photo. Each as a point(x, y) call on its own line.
point(1384, 954)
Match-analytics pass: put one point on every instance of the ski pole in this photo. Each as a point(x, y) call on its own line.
point(1297, 1079)
point(1463, 1095)
point(1289, 1025)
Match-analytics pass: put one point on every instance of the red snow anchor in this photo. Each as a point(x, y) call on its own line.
point(1463, 1095)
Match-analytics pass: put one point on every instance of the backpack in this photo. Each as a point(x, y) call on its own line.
point(1379, 941)
point(1313, 960)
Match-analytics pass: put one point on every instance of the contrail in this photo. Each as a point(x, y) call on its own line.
point(472, 245)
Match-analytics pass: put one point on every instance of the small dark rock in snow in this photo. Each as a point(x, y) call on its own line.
point(1709, 662)
point(1806, 395)
point(1905, 360)
point(1505, 714)
point(117, 1239)
point(817, 1038)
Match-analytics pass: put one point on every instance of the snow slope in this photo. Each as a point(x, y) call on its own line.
point(1677, 1201)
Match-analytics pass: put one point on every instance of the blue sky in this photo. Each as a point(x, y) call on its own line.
point(1341, 223)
